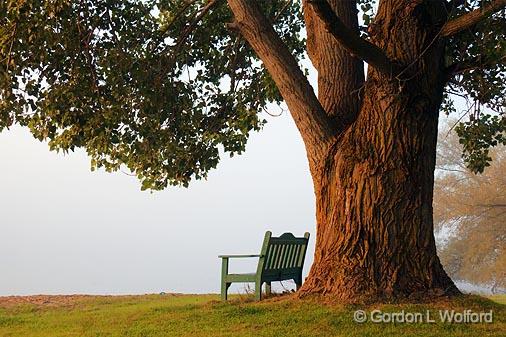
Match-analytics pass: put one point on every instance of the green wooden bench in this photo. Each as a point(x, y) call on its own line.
point(281, 258)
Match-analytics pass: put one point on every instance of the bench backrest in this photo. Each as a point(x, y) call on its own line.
point(282, 256)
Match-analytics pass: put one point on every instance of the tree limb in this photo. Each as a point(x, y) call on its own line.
point(470, 19)
point(356, 45)
point(479, 62)
point(178, 14)
point(341, 74)
point(191, 27)
point(309, 116)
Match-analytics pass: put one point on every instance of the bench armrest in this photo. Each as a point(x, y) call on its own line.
point(237, 256)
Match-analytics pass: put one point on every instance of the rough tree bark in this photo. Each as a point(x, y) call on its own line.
point(374, 190)
point(371, 144)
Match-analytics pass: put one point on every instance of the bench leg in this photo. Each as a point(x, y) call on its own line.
point(258, 291)
point(224, 290)
point(267, 288)
point(224, 273)
point(298, 283)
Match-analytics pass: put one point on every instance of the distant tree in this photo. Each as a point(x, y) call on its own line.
point(472, 210)
point(160, 86)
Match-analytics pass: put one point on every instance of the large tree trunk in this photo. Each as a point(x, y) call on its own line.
point(371, 145)
point(374, 204)
point(374, 187)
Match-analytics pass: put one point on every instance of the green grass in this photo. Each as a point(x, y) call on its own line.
point(204, 315)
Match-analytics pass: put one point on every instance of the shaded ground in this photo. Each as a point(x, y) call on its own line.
point(204, 315)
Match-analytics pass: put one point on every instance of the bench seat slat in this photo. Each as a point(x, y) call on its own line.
point(241, 277)
point(281, 271)
point(272, 256)
point(280, 256)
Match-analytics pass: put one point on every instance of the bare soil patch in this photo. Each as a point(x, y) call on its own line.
point(42, 300)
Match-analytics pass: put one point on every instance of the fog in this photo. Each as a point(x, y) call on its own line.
point(65, 229)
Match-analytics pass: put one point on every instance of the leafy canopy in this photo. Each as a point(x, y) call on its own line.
point(160, 86)
point(157, 86)
point(478, 56)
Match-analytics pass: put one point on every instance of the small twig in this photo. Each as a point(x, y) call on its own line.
point(178, 14)
point(9, 55)
point(282, 10)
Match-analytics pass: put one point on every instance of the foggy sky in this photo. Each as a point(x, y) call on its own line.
point(65, 229)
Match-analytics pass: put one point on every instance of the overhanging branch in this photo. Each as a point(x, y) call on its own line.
point(350, 40)
point(470, 19)
point(309, 116)
point(191, 27)
point(480, 62)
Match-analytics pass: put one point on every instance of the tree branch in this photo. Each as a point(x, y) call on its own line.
point(356, 45)
point(341, 75)
point(178, 14)
point(191, 27)
point(479, 62)
point(470, 19)
point(310, 118)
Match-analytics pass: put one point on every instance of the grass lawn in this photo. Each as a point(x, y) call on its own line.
point(204, 315)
